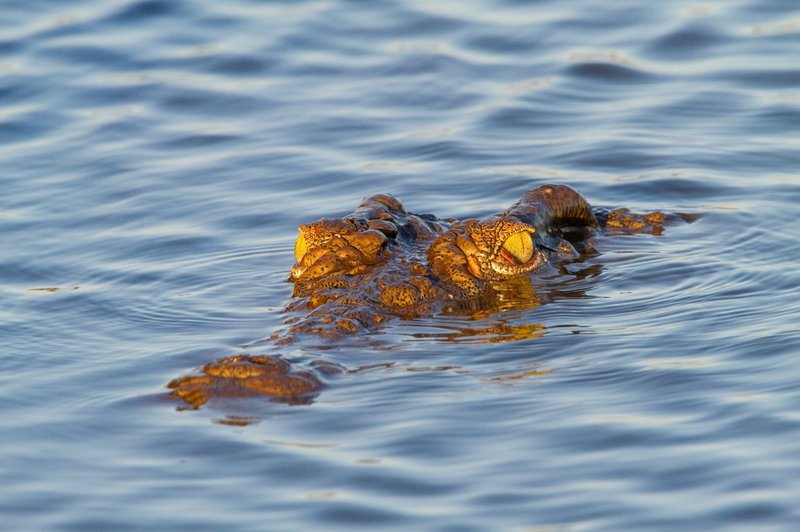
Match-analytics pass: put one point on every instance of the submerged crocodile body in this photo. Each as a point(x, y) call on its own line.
point(381, 261)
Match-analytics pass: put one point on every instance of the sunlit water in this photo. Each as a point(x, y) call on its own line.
point(157, 156)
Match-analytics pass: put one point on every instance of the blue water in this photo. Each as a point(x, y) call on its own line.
point(156, 158)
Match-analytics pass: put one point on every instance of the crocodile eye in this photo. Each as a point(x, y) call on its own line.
point(520, 246)
point(300, 248)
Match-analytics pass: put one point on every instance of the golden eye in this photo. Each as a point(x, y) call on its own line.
point(520, 246)
point(300, 248)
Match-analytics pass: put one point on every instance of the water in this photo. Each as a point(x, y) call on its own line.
point(157, 156)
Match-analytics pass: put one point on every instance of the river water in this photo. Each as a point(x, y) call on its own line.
point(156, 158)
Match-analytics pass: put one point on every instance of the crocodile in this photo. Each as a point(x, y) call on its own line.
point(381, 262)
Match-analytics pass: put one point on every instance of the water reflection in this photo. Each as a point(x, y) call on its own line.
point(520, 374)
point(499, 331)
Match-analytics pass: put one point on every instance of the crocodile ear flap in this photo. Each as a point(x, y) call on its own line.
point(470, 250)
point(474, 266)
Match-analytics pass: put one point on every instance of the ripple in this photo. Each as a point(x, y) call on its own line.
point(608, 72)
point(26, 125)
point(80, 53)
point(206, 102)
point(526, 118)
point(763, 77)
point(239, 64)
point(697, 39)
point(502, 44)
point(142, 11)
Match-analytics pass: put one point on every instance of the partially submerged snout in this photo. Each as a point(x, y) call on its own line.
point(331, 246)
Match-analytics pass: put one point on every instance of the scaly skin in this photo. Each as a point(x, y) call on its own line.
point(382, 262)
point(246, 376)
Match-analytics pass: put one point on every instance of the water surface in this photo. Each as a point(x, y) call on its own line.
point(157, 157)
